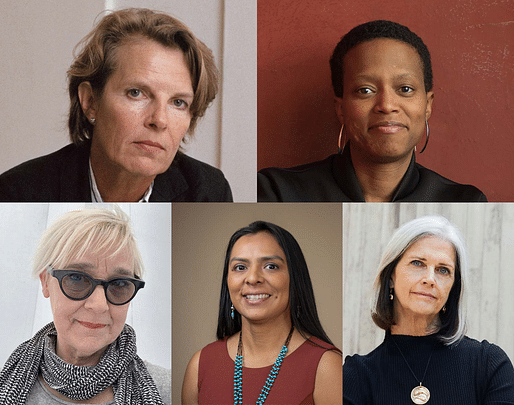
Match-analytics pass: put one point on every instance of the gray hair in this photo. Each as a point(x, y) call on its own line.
point(453, 321)
point(77, 232)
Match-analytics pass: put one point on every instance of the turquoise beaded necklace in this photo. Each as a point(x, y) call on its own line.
point(238, 372)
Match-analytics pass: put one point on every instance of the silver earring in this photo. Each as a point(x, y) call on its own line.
point(92, 121)
point(426, 142)
point(339, 143)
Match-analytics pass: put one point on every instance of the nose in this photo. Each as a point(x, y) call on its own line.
point(157, 118)
point(429, 276)
point(254, 275)
point(97, 300)
point(386, 101)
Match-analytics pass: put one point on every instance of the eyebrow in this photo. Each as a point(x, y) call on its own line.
point(262, 259)
point(88, 267)
point(400, 76)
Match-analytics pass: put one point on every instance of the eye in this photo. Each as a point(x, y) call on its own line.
point(444, 270)
point(179, 103)
point(364, 90)
point(239, 267)
point(406, 89)
point(271, 266)
point(417, 263)
point(77, 277)
point(134, 93)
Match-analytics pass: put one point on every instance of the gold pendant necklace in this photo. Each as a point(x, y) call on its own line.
point(419, 394)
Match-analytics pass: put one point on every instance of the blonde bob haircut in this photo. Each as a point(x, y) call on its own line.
point(452, 322)
point(88, 230)
point(96, 61)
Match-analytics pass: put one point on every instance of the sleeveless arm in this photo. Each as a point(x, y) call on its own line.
point(190, 384)
point(328, 388)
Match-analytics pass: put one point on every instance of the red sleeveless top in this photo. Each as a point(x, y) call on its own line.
point(294, 384)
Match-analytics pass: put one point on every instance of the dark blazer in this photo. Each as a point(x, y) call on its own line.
point(334, 180)
point(63, 176)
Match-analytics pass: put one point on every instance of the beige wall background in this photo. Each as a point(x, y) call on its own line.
point(488, 230)
point(38, 38)
point(200, 237)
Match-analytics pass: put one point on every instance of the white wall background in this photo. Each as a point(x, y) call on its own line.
point(37, 43)
point(24, 310)
point(488, 230)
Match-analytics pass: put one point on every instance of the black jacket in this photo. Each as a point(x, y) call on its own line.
point(334, 180)
point(63, 176)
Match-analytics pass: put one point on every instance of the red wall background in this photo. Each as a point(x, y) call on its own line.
point(472, 47)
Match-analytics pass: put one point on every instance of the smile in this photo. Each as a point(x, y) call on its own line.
point(256, 297)
point(90, 325)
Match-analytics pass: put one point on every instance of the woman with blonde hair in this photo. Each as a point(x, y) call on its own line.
point(89, 266)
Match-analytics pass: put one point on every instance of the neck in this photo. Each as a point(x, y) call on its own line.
point(378, 180)
point(264, 341)
point(115, 184)
point(415, 326)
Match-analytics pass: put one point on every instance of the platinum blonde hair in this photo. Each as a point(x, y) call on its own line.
point(90, 229)
point(453, 321)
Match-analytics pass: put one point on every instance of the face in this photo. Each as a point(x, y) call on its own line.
point(85, 328)
point(423, 278)
point(144, 110)
point(384, 105)
point(258, 278)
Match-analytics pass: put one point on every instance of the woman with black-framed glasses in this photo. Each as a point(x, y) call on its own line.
point(90, 268)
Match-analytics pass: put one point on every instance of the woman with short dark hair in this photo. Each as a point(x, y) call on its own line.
point(382, 80)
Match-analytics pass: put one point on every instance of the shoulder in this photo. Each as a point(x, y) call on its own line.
point(296, 184)
point(39, 179)
point(446, 190)
point(162, 379)
point(328, 384)
point(203, 181)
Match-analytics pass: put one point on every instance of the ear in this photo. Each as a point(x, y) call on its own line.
point(338, 103)
point(43, 276)
point(391, 282)
point(430, 100)
point(87, 99)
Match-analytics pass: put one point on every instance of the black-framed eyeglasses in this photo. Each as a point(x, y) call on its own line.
point(77, 286)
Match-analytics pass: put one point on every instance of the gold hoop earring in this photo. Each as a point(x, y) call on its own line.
point(426, 142)
point(339, 149)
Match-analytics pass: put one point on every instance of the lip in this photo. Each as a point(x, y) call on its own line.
point(91, 325)
point(149, 146)
point(388, 127)
point(427, 295)
point(256, 298)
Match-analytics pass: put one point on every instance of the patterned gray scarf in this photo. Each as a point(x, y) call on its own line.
point(119, 367)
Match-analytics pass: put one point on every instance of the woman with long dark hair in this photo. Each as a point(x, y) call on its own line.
point(271, 346)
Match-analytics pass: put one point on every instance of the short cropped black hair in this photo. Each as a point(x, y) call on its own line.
point(372, 30)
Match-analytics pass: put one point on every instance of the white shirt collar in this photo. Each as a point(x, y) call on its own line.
point(95, 193)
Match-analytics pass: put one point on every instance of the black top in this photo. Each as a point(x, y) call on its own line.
point(64, 176)
point(334, 180)
point(467, 373)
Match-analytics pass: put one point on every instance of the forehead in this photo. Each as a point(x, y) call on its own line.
point(145, 58)
point(381, 55)
point(105, 259)
point(433, 247)
point(258, 244)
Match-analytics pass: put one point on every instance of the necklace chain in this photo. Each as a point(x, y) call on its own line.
point(238, 372)
point(406, 362)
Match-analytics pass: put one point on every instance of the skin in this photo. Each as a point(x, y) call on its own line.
point(76, 343)
point(383, 110)
point(141, 117)
point(422, 281)
point(258, 266)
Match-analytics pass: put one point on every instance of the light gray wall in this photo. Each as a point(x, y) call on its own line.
point(37, 43)
point(488, 230)
point(24, 310)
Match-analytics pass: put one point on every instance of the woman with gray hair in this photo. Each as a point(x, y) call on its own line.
point(90, 268)
point(420, 303)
